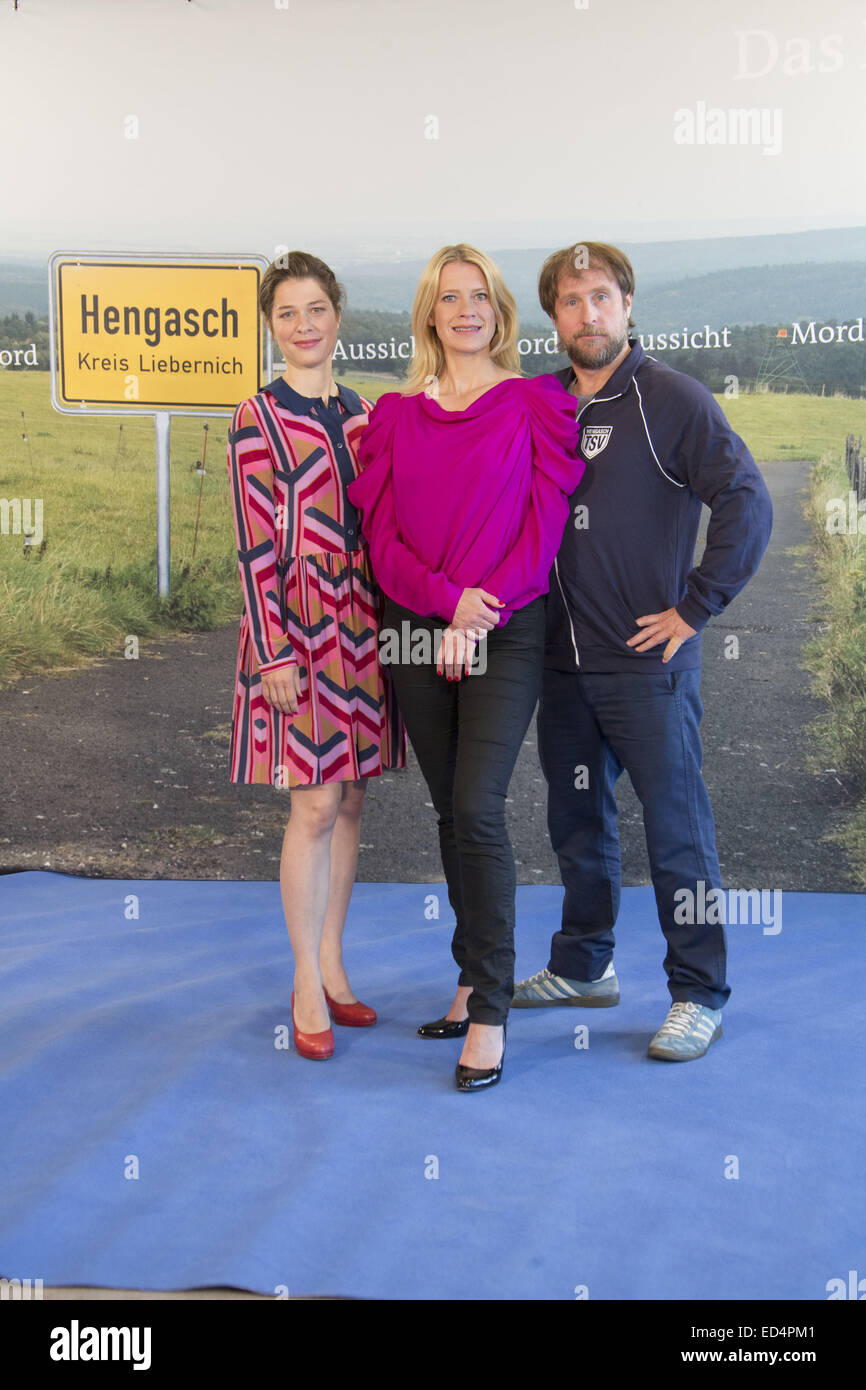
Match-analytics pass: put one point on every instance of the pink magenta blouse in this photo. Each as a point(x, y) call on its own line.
point(469, 498)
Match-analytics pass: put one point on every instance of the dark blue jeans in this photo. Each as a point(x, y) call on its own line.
point(466, 735)
point(649, 726)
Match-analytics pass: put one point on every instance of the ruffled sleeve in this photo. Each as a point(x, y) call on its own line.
point(251, 474)
point(556, 472)
point(398, 570)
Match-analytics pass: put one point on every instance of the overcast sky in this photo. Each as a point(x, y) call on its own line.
point(306, 125)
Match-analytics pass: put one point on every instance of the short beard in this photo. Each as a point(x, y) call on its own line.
point(599, 357)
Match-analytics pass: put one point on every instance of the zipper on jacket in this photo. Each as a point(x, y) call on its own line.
point(592, 401)
point(567, 613)
point(556, 560)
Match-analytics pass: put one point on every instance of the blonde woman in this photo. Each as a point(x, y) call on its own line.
point(463, 498)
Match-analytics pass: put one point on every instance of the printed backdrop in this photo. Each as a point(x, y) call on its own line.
point(718, 145)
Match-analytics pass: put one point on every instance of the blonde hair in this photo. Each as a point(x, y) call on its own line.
point(429, 358)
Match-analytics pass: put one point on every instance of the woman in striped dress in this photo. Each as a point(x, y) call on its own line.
point(313, 708)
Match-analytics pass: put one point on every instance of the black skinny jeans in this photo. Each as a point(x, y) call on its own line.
point(467, 735)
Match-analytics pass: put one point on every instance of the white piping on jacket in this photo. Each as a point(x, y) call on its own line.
point(675, 481)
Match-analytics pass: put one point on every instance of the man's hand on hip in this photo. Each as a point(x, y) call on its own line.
point(661, 627)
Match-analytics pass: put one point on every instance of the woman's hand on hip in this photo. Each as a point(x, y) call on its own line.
point(456, 652)
point(476, 609)
point(282, 689)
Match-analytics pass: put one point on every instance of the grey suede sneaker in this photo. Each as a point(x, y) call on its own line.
point(686, 1033)
point(544, 989)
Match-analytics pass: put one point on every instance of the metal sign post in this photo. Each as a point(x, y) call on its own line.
point(162, 421)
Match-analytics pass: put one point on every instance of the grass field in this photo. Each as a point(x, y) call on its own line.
point(93, 582)
point(837, 655)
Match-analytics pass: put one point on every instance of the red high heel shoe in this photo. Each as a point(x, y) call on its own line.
point(350, 1015)
point(317, 1046)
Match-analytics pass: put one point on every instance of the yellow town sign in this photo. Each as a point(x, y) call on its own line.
point(150, 334)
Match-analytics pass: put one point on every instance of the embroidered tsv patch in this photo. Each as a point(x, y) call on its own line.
point(593, 439)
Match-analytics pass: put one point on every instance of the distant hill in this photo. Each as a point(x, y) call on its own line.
point(391, 286)
point(24, 287)
point(744, 280)
point(755, 294)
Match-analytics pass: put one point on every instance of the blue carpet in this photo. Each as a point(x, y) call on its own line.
point(147, 1045)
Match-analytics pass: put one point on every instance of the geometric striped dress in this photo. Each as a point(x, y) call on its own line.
point(309, 596)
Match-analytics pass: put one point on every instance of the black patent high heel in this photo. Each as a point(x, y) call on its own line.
point(444, 1028)
point(477, 1078)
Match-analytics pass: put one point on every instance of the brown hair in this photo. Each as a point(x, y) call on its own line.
point(583, 255)
point(299, 265)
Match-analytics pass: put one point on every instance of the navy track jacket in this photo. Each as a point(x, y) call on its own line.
point(656, 446)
